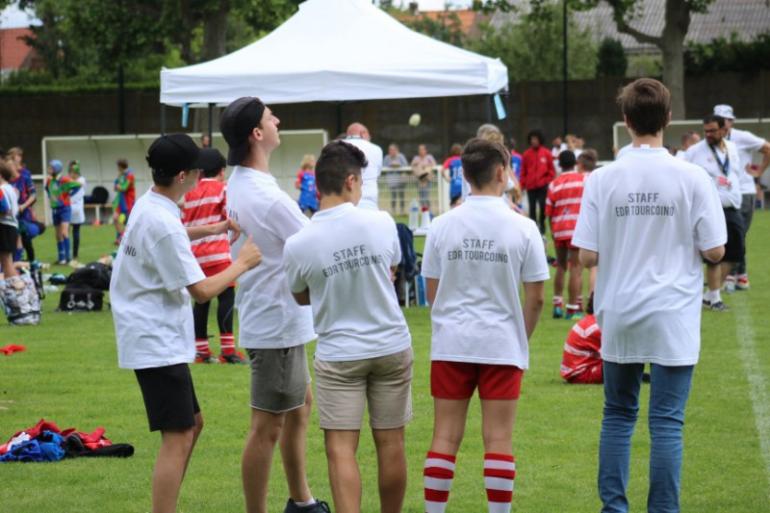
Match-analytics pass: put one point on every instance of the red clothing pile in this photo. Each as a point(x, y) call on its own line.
point(581, 361)
point(562, 204)
point(537, 168)
point(206, 204)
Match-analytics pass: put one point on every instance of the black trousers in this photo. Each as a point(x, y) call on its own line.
point(537, 198)
point(224, 314)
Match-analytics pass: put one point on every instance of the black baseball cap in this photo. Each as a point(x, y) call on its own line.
point(237, 122)
point(210, 159)
point(169, 154)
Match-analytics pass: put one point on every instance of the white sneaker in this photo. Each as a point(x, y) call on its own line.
point(730, 284)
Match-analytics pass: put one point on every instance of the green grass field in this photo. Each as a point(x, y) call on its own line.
point(69, 375)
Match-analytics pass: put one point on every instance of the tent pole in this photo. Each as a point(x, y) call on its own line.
point(211, 121)
point(488, 108)
point(162, 119)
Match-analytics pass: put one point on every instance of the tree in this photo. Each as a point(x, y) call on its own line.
point(447, 27)
point(612, 59)
point(677, 15)
point(531, 48)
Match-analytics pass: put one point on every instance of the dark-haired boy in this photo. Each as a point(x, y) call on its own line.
point(206, 204)
point(154, 275)
point(647, 219)
point(341, 265)
point(537, 171)
point(480, 333)
point(562, 207)
point(272, 327)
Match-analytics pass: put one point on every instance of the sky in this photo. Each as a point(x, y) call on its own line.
point(13, 17)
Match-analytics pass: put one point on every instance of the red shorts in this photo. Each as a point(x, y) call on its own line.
point(564, 243)
point(458, 380)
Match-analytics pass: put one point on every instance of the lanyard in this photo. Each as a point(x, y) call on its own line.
point(723, 166)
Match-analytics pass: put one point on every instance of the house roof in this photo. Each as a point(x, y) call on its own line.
point(14, 51)
point(746, 18)
point(470, 20)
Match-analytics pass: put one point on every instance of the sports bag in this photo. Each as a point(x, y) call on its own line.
point(80, 298)
point(21, 300)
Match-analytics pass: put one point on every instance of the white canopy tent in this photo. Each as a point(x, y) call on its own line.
point(336, 50)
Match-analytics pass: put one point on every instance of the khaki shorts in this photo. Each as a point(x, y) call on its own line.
point(279, 378)
point(344, 388)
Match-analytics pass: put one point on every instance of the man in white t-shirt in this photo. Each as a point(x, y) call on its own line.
point(341, 264)
point(719, 157)
point(747, 144)
point(272, 327)
point(154, 275)
point(480, 333)
point(647, 219)
point(358, 135)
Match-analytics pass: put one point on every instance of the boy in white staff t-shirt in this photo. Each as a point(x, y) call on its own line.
point(647, 219)
point(476, 256)
point(273, 327)
point(155, 274)
point(341, 264)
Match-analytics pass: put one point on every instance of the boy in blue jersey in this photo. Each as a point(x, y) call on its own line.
point(305, 182)
point(452, 171)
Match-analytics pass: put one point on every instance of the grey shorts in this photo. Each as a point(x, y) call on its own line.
point(279, 378)
point(344, 388)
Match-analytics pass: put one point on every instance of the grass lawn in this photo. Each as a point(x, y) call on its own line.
point(69, 375)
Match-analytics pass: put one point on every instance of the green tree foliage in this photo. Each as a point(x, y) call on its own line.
point(729, 55)
point(532, 47)
point(86, 41)
point(612, 59)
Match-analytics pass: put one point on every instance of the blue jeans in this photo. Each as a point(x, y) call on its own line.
point(669, 389)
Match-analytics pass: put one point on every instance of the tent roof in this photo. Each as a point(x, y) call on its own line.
point(336, 50)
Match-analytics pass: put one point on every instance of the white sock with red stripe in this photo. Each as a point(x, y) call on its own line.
point(227, 343)
point(438, 474)
point(558, 301)
point(499, 472)
point(202, 346)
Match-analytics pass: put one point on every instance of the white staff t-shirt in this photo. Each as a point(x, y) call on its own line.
point(148, 289)
point(648, 215)
point(746, 143)
point(344, 257)
point(268, 316)
point(370, 174)
point(728, 185)
point(481, 252)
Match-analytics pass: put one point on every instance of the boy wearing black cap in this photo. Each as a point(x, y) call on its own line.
point(154, 275)
point(206, 204)
point(273, 327)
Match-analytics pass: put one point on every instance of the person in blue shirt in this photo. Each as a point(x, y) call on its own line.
point(452, 171)
point(305, 182)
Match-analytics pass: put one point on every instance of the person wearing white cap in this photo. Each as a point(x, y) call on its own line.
point(747, 144)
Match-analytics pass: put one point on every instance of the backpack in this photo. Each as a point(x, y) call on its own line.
point(21, 300)
point(408, 265)
point(94, 275)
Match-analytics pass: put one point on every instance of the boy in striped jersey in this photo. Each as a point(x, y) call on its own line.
point(60, 188)
point(562, 206)
point(581, 361)
point(202, 206)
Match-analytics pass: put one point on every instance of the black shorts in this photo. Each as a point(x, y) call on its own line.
point(169, 397)
point(9, 236)
point(736, 234)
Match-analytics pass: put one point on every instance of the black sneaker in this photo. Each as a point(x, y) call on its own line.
point(234, 358)
point(718, 307)
point(318, 507)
